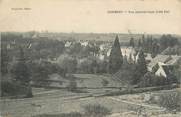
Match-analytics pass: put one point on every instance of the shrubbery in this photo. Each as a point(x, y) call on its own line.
point(170, 101)
point(96, 110)
point(105, 82)
point(71, 114)
point(10, 88)
point(150, 79)
point(90, 110)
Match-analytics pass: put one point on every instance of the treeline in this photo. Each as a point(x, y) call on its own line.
point(156, 46)
point(34, 48)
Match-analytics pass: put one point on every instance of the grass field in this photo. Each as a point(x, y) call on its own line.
point(56, 101)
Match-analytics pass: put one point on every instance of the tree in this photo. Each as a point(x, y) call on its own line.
point(154, 49)
point(68, 63)
point(141, 67)
point(21, 73)
point(139, 43)
point(126, 74)
point(131, 43)
point(4, 60)
point(75, 48)
point(72, 86)
point(20, 70)
point(116, 58)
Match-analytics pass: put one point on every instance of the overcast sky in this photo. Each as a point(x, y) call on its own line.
point(90, 16)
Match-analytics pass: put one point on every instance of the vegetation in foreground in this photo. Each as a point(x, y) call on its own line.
point(90, 110)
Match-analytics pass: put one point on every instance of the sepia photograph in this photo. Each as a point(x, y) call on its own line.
point(90, 58)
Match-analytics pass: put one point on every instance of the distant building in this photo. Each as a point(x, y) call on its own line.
point(84, 43)
point(156, 60)
point(163, 70)
point(166, 59)
point(129, 51)
point(68, 44)
point(163, 65)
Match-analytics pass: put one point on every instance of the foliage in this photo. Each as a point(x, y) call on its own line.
point(41, 71)
point(141, 67)
point(20, 70)
point(13, 88)
point(177, 73)
point(150, 79)
point(21, 74)
point(96, 110)
point(4, 60)
point(170, 101)
point(105, 82)
point(167, 41)
point(116, 58)
point(131, 43)
point(72, 86)
point(126, 74)
point(68, 63)
point(71, 114)
point(91, 64)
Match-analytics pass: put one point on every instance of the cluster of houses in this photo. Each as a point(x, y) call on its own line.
point(161, 65)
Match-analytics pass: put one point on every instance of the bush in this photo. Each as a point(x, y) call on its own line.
point(105, 82)
point(96, 110)
point(150, 79)
point(171, 101)
point(14, 88)
point(72, 86)
point(71, 114)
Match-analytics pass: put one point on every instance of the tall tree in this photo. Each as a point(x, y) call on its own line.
point(116, 57)
point(4, 60)
point(21, 73)
point(139, 43)
point(141, 67)
point(131, 43)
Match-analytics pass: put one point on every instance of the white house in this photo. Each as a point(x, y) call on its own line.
point(84, 43)
point(68, 44)
point(166, 59)
point(164, 70)
point(156, 60)
point(159, 70)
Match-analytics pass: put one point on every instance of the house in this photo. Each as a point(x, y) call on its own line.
point(175, 60)
point(84, 43)
point(148, 57)
point(163, 69)
point(167, 59)
point(163, 65)
point(128, 51)
point(156, 60)
point(68, 44)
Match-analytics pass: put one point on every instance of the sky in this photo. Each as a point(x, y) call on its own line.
point(91, 16)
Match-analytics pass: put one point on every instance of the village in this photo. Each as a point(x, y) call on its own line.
point(68, 75)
